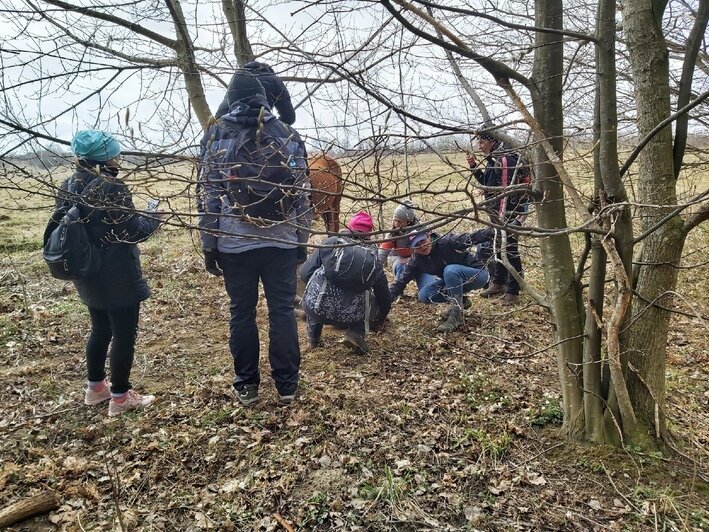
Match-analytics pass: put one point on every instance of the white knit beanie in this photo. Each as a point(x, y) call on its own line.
point(405, 212)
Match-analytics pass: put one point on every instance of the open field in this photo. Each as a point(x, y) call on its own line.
point(430, 432)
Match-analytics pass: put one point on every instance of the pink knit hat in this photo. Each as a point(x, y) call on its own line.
point(361, 223)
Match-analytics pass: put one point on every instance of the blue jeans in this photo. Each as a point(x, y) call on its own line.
point(457, 279)
point(422, 279)
point(276, 269)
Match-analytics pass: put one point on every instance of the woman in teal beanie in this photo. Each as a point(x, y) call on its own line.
point(114, 294)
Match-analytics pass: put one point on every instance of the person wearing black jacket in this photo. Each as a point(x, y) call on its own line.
point(277, 94)
point(326, 303)
point(457, 269)
point(503, 168)
point(114, 294)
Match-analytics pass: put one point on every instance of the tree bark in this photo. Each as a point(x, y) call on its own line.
point(25, 508)
point(236, 18)
point(563, 290)
point(188, 64)
point(662, 248)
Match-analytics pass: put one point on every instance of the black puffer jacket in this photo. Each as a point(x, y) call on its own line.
point(107, 206)
point(445, 250)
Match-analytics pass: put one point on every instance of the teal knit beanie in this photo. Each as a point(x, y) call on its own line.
point(95, 145)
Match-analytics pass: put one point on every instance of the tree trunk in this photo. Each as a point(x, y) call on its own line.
point(236, 18)
point(188, 65)
point(657, 277)
point(563, 290)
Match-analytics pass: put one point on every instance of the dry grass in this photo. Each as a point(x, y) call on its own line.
point(453, 432)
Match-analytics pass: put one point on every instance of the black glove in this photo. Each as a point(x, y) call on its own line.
point(302, 254)
point(210, 262)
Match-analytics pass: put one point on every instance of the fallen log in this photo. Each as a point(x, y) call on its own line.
point(29, 507)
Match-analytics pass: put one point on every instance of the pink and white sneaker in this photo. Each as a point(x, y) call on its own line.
point(132, 400)
point(97, 395)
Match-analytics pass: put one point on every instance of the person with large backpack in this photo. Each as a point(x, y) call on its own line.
point(455, 268)
point(114, 292)
point(346, 286)
point(503, 168)
point(254, 216)
point(276, 92)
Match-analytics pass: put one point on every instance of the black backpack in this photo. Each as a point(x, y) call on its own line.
point(260, 175)
point(68, 250)
point(352, 267)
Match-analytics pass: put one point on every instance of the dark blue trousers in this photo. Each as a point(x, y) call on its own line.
point(275, 268)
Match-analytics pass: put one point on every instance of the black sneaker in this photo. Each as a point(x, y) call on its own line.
point(247, 394)
point(288, 398)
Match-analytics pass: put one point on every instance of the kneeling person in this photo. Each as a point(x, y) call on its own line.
point(346, 286)
point(458, 271)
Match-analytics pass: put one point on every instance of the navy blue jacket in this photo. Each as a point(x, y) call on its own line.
point(448, 249)
point(113, 225)
point(222, 229)
point(510, 206)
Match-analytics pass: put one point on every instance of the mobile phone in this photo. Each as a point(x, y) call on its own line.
point(153, 205)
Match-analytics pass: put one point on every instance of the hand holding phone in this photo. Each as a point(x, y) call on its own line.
point(153, 205)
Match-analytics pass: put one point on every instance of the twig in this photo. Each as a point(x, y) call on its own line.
point(115, 486)
point(283, 522)
point(610, 479)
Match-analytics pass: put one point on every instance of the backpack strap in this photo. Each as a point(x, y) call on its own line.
point(504, 181)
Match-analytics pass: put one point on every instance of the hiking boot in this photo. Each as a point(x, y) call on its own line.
point(131, 400)
point(315, 342)
point(443, 315)
point(356, 342)
point(94, 397)
point(509, 300)
point(454, 321)
point(247, 394)
point(467, 303)
point(493, 290)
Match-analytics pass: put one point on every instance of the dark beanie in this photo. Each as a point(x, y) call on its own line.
point(485, 135)
point(243, 85)
point(258, 68)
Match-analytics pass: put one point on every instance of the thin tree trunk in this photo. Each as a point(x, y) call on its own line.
point(188, 64)
point(563, 291)
point(235, 15)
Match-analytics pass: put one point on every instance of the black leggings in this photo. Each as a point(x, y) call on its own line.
point(121, 325)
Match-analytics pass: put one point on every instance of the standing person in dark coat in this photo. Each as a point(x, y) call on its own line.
point(277, 95)
point(327, 304)
point(503, 168)
point(245, 249)
point(448, 258)
point(114, 294)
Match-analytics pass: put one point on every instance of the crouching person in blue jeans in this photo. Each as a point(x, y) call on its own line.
point(346, 286)
point(458, 271)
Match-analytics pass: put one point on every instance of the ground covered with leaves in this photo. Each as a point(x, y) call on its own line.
point(430, 432)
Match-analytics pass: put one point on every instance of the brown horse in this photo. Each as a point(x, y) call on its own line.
point(327, 186)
